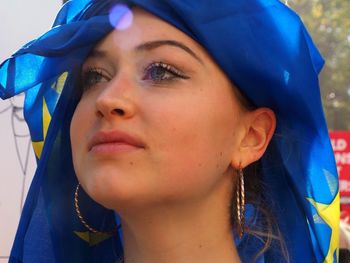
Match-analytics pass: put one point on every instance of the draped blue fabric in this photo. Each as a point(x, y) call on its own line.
point(263, 48)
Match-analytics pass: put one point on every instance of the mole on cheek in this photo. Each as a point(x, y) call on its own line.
point(131, 163)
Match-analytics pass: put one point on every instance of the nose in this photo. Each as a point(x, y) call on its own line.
point(117, 99)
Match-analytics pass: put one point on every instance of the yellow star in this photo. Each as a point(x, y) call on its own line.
point(330, 213)
point(38, 146)
point(59, 84)
point(93, 238)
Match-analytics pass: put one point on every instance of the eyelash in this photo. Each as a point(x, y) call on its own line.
point(93, 76)
point(168, 69)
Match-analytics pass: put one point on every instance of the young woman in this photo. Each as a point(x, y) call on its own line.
point(175, 131)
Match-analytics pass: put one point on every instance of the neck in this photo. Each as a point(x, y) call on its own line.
point(184, 233)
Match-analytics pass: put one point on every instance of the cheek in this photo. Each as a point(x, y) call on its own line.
point(203, 122)
point(194, 143)
point(78, 130)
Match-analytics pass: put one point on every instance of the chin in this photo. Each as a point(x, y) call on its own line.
point(116, 191)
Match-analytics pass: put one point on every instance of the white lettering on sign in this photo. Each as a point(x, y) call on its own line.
point(345, 200)
point(344, 186)
point(339, 144)
point(342, 158)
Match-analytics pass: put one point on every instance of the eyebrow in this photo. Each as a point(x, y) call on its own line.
point(96, 53)
point(158, 43)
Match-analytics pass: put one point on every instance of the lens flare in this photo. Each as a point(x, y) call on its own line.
point(121, 17)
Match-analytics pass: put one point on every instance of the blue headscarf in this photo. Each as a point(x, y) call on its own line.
point(263, 48)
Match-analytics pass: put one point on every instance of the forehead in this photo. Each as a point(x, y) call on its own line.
point(145, 27)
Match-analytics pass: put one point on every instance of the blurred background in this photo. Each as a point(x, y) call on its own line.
point(328, 22)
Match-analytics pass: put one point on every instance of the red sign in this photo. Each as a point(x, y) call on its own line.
point(341, 147)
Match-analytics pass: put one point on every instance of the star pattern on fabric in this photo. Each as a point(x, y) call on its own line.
point(330, 214)
point(59, 84)
point(93, 238)
point(46, 118)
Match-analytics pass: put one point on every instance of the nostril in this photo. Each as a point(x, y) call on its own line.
point(120, 112)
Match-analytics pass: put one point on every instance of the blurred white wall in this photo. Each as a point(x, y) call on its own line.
point(20, 22)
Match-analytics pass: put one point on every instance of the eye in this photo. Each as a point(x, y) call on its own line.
point(159, 71)
point(92, 77)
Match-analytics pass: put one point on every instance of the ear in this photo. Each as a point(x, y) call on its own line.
point(260, 125)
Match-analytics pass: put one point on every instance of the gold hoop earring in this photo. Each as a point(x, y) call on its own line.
point(240, 195)
point(81, 218)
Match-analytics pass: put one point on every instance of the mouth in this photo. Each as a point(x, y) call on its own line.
point(114, 141)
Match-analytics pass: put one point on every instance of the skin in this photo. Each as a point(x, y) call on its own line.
point(173, 194)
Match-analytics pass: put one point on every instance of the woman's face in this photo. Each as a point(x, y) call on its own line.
point(158, 121)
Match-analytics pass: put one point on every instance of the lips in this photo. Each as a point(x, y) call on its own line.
point(114, 141)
